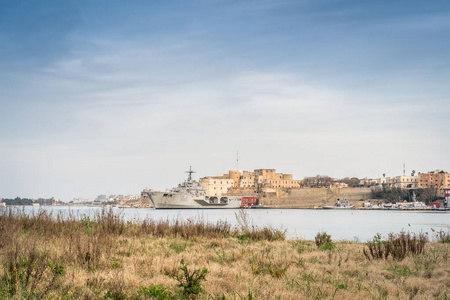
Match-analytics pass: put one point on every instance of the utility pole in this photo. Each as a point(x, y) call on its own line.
point(237, 160)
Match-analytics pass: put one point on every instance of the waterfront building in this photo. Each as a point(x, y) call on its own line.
point(269, 178)
point(217, 186)
point(437, 178)
point(246, 181)
point(404, 182)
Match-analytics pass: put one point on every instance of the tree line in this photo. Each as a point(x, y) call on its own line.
point(320, 181)
point(27, 201)
point(395, 194)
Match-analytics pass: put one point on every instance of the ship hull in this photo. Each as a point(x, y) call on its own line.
point(337, 207)
point(162, 200)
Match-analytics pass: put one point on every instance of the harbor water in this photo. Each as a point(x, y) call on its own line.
point(352, 225)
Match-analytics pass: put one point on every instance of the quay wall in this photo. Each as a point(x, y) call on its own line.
point(316, 197)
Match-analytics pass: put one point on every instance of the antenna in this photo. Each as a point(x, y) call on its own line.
point(190, 173)
point(237, 160)
point(404, 171)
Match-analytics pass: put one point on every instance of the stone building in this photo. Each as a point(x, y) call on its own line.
point(246, 181)
point(217, 186)
point(269, 178)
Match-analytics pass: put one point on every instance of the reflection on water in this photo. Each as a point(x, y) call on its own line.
point(359, 225)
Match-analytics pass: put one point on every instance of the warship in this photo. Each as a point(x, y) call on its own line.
point(190, 194)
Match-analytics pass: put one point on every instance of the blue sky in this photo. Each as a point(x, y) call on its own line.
point(112, 96)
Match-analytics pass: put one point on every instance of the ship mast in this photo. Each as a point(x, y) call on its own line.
point(190, 173)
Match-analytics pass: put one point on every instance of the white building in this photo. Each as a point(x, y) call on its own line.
point(403, 181)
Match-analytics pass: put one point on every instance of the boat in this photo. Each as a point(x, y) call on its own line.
point(444, 205)
point(258, 206)
point(190, 194)
point(338, 205)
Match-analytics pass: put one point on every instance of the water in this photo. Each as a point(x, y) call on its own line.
point(360, 225)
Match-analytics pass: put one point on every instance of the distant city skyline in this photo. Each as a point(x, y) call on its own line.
point(102, 97)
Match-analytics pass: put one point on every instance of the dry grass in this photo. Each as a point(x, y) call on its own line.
point(106, 257)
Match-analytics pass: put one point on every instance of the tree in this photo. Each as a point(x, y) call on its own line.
point(317, 181)
point(428, 195)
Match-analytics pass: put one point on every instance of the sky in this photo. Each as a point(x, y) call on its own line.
point(111, 97)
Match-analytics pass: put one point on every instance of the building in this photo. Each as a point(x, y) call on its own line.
point(437, 178)
point(269, 178)
point(246, 181)
point(217, 186)
point(368, 182)
point(404, 182)
point(381, 181)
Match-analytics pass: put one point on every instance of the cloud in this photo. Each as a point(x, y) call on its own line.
point(127, 104)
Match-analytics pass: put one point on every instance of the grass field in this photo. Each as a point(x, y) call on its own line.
point(45, 256)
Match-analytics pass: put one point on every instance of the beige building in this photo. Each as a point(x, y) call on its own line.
point(275, 180)
point(217, 186)
point(246, 180)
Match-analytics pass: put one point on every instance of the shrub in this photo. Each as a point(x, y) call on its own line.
point(323, 241)
point(377, 249)
point(190, 281)
point(398, 246)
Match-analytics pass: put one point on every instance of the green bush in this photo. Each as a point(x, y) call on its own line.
point(190, 281)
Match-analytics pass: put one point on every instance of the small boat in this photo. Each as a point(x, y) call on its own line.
point(344, 205)
point(257, 206)
point(444, 206)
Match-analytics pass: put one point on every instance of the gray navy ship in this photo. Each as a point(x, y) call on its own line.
point(190, 194)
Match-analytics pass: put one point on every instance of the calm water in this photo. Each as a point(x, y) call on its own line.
point(299, 223)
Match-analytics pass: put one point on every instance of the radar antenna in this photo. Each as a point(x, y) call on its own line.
point(190, 173)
